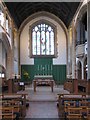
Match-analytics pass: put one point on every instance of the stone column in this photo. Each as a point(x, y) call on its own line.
point(78, 31)
point(73, 51)
point(0, 64)
point(88, 45)
point(88, 40)
point(5, 19)
point(0, 53)
point(82, 69)
point(69, 51)
point(12, 44)
point(81, 32)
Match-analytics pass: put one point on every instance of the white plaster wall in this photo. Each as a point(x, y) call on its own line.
point(24, 47)
point(61, 59)
point(24, 43)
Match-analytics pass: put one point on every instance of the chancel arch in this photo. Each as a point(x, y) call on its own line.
point(58, 60)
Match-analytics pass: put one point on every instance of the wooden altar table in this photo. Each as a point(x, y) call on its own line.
point(40, 79)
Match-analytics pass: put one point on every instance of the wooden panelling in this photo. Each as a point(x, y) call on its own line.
point(44, 66)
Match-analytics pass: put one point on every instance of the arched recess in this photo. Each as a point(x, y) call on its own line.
point(61, 35)
point(7, 53)
point(81, 25)
point(82, 12)
point(44, 14)
point(79, 70)
point(2, 76)
point(85, 68)
point(2, 72)
point(53, 28)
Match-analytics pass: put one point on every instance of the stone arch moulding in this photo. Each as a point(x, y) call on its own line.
point(55, 35)
point(5, 42)
point(82, 11)
point(49, 15)
point(44, 14)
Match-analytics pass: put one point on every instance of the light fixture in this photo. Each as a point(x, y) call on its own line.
point(2, 75)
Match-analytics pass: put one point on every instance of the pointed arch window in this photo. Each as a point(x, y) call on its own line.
point(43, 40)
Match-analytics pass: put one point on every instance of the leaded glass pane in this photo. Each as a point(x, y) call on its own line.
point(52, 43)
point(36, 28)
point(43, 40)
point(38, 43)
point(34, 43)
point(47, 43)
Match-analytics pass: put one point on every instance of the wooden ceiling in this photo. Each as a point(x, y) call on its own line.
point(63, 10)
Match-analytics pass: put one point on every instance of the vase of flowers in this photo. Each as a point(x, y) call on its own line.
point(26, 75)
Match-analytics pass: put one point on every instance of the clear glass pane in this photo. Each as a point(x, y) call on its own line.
point(36, 28)
point(38, 43)
point(47, 43)
point(43, 43)
point(49, 28)
point(52, 43)
point(34, 43)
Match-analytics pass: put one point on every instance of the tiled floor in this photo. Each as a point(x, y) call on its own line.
point(43, 102)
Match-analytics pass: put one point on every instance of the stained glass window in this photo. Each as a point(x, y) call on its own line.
point(43, 37)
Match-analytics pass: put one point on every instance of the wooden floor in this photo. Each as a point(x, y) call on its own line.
point(43, 103)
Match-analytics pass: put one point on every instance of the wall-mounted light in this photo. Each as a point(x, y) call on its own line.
point(3, 75)
point(0, 75)
point(86, 67)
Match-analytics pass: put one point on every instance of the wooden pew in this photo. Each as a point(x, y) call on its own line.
point(80, 111)
point(88, 113)
point(7, 113)
point(15, 104)
point(74, 112)
point(17, 97)
point(67, 102)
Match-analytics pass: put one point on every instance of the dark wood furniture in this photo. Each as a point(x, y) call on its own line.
point(7, 113)
point(43, 79)
point(70, 104)
point(77, 86)
point(50, 82)
point(14, 98)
